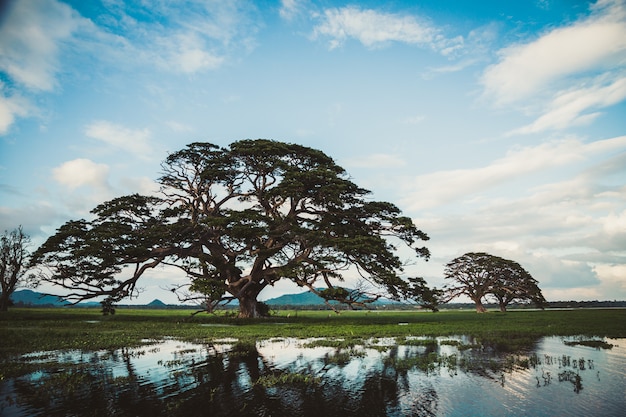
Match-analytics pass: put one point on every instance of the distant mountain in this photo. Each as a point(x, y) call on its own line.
point(156, 303)
point(301, 299)
point(29, 297)
point(304, 299)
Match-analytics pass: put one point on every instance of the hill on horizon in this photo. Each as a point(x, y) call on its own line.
point(30, 297)
point(306, 299)
point(156, 303)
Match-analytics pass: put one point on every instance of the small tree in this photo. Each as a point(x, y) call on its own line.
point(514, 283)
point(479, 275)
point(472, 277)
point(13, 258)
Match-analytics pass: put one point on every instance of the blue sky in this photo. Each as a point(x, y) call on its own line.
point(497, 126)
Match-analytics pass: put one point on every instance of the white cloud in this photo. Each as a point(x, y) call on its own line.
point(186, 53)
point(136, 141)
point(187, 38)
point(552, 272)
point(373, 28)
point(551, 238)
point(38, 36)
point(569, 233)
point(10, 107)
point(570, 108)
point(568, 75)
point(33, 218)
point(29, 41)
point(289, 9)
point(82, 172)
point(594, 44)
point(581, 219)
point(32, 36)
point(442, 187)
point(612, 277)
point(615, 224)
point(140, 185)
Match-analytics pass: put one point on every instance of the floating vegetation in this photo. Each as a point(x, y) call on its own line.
point(175, 363)
point(243, 348)
point(427, 363)
point(598, 344)
point(334, 343)
point(459, 345)
point(450, 342)
point(286, 378)
point(429, 343)
point(343, 357)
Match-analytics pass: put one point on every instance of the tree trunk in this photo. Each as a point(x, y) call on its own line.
point(248, 307)
point(4, 301)
point(480, 308)
point(503, 307)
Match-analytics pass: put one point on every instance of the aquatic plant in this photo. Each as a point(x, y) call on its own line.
point(286, 378)
point(334, 343)
point(343, 357)
point(410, 341)
point(572, 377)
point(598, 344)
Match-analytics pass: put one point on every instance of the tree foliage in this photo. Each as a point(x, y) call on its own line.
point(481, 276)
point(418, 291)
point(14, 256)
point(514, 283)
point(237, 220)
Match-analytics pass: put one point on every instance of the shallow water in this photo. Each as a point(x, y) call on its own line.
point(290, 377)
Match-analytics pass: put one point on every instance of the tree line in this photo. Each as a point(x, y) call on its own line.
point(240, 218)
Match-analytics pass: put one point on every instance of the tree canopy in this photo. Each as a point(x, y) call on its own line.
point(479, 275)
point(237, 220)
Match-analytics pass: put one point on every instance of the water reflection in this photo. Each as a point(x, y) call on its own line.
point(288, 377)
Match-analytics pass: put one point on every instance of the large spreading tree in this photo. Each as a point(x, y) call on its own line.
point(479, 276)
point(237, 220)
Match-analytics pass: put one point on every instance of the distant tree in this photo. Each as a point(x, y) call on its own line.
point(236, 220)
point(514, 283)
point(14, 256)
point(479, 275)
point(472, 277)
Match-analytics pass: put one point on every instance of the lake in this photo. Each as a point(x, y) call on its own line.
point(446, 376)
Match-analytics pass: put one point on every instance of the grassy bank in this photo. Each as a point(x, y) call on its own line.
point(30, 330)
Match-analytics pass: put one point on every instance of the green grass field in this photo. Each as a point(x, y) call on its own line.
point(31, 330)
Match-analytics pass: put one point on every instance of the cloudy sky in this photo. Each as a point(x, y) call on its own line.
point(497, 126)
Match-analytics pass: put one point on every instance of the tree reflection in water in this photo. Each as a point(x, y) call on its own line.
point(217, 384)
point(178, 379)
